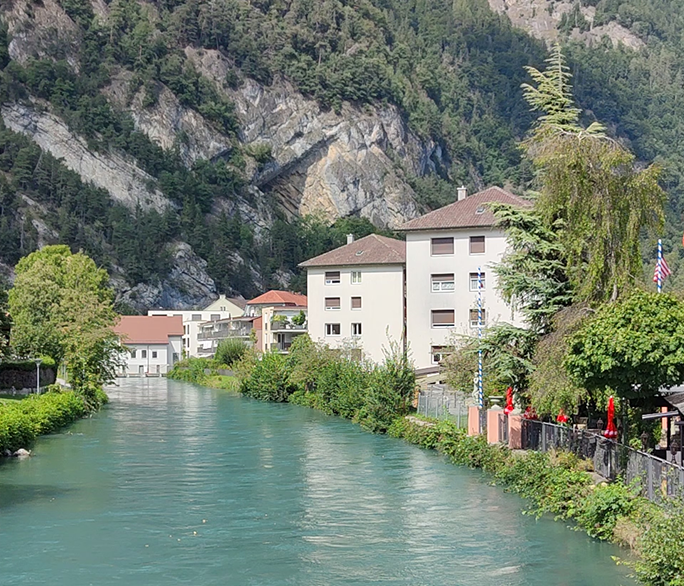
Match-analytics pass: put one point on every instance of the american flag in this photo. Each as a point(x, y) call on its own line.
point(661, 270)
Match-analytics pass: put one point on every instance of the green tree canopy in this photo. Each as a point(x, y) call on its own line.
point(633, 346)
point(591, 190)
point(61, 307)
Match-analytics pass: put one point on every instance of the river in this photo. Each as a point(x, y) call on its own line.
point(177, 484)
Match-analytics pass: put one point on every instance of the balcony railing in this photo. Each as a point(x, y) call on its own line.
point(223, 334)
point(278, 326)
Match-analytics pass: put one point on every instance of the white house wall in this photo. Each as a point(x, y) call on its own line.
point(421, 300)
point(191, 323)
point(152, 359)
point(382, 307)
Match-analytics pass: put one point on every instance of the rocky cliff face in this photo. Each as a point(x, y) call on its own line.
point(541, 19)
point(333, 164)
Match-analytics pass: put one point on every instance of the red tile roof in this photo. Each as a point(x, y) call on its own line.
point(279, 298)
point(148, 329)
point(471, 212)
point(370, 250)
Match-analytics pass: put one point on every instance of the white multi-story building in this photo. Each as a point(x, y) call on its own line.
point(356, 295)
point(153, 343)
point(446, 250)
point(222, 308)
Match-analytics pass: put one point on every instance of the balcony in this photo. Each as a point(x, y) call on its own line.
point(280, 326)
point(223, 334)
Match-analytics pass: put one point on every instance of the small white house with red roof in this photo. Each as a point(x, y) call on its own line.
point(446, 250)
point(154, 343)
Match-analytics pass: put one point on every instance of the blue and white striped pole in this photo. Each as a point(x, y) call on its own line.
point(659, 269)
point(480, 389)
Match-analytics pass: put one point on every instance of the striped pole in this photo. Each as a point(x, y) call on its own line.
point(480, 390)
point(659, 272)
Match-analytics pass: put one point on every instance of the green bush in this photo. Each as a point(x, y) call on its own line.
point(190, 370)
point(229, 351)
point(22, 422)
point(268, 380)
point(603, 506)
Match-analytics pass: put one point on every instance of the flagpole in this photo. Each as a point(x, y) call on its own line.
point(660, 270)
point(480, 389)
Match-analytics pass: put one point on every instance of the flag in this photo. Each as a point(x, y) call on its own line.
point(661, 270)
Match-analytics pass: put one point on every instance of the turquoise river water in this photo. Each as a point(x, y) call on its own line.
point(177, 484)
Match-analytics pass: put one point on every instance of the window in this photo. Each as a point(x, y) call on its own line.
point(332, 329)
point(332, 303)
point(477, 245)
point(133, 352)
point(154, 353)
point(442, 246)
point(474, 281)
point(437, 354)
point(196, 317)
point(473, 318)
point(143, 354)
point(355, 277)
point(356, 302)
point(356, 329)
point(332, 277)
point(442, 318)
point(443, 282)
point(214, 317)
point(175, 357)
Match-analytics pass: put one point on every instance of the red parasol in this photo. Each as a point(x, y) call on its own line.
point(611, 430)
point(509, 401)
point(562, 417)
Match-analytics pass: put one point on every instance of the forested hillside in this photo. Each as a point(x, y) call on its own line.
point(230, 120)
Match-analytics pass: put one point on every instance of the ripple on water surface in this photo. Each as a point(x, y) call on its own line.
point(176, 484)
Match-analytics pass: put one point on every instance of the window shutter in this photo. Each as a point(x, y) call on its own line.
point(356, 302)
point(443, 317)
point(477, 244)
point(442, 246)
point(332, 302)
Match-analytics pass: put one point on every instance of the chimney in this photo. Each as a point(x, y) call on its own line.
point(350, 238)
point(462, 193)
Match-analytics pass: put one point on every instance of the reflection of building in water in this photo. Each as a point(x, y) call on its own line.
point(153, 342)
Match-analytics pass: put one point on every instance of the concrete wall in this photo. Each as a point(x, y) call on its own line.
point(421, 300)
point(382, 307)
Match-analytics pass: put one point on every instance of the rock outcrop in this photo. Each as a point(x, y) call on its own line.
point(321, 161)
point(125, 181)
point(187, 286)
point(541, 19)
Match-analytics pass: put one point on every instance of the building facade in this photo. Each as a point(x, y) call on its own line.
point(280, 317)
point(356, 295)
point(450, 254)
point(153, 344)
point(222, 309)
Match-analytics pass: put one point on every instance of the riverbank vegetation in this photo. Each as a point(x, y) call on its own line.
point(22, 421)
point(337, 382)
point(561, 484)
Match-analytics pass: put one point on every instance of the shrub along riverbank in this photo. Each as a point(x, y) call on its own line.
point(379, 399)
point(21, 422)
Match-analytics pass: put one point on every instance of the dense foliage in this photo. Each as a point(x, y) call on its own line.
point(21, 422)
point(333, 381)
point(61, 306)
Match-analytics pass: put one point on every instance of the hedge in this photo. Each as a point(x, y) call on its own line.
point(21, 422)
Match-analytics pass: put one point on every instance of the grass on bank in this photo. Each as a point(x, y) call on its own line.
point(21, 422)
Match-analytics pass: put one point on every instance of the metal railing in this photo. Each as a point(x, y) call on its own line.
point(656, 478)
point(439, 403)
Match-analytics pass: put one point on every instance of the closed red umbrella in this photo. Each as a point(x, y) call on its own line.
point(509, 401)
point(562, 417)
point(611, 430)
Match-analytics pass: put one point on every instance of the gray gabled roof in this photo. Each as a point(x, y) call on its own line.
point(370, 250)
point(471, 212)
